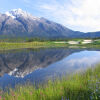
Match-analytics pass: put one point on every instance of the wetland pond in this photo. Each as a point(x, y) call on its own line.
point(38, 65)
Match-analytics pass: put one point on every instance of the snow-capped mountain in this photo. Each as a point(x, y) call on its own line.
point(16, 13)
point(19, 23)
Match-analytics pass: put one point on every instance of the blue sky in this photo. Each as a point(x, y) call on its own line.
point(79, 15)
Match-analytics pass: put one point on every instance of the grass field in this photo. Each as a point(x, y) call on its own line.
point(81, 86)
point(36, 44)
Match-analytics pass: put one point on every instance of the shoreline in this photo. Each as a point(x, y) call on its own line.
point(79, 86)
point(11, 46)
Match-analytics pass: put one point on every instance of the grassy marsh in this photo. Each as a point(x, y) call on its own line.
point(81, 86)
point(37, 44)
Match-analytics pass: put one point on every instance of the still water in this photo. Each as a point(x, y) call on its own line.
point(29, 65)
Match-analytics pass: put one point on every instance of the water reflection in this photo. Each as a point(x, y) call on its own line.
point(36, 65)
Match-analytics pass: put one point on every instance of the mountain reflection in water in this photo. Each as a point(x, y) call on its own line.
point(36, 65)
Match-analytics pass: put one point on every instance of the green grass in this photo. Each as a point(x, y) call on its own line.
point(37, 44)
point(18, 44)
point(7, 45)
point(81, 86)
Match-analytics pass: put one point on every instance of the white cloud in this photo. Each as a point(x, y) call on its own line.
point(78, 13)
point(87, 14)
point(48, 7)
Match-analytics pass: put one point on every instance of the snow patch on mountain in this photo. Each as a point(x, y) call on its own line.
point(8, 14)
point(16, 13)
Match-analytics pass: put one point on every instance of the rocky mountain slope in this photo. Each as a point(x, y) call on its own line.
point(18, 23)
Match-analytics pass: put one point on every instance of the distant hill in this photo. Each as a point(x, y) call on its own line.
point(18, 23)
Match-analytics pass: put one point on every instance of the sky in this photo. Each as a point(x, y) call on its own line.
point(78, 15)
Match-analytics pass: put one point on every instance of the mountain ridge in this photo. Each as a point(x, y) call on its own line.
point(19, 23)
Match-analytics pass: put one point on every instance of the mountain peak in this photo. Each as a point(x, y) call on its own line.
point(16, 13)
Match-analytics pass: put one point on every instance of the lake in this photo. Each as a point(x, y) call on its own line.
point(38, 65)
